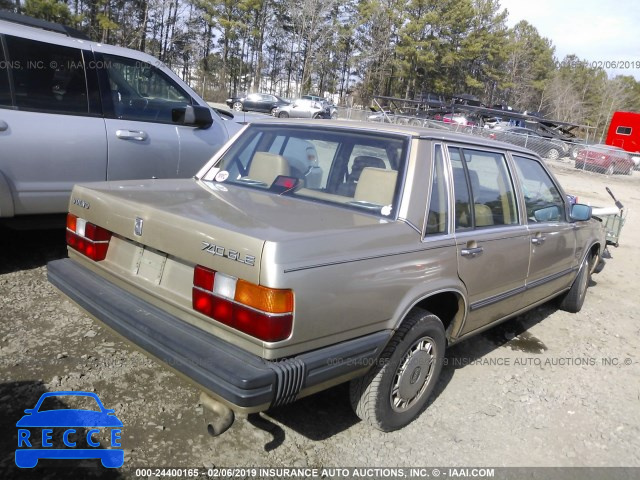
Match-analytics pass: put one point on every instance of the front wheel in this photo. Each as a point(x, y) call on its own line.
point(274, 110)
point(237, 106)
point(395, 391)
point(283, 115)
point(610, 169)
point(553, 154)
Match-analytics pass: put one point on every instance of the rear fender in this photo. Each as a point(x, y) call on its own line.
point(6, 199)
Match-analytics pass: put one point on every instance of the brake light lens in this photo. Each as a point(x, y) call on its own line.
point(264, 313)
point(90, 240)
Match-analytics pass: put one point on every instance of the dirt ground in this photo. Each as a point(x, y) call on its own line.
point(546, 389)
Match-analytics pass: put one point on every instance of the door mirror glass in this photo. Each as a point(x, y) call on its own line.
point(580, 212)
point(193, 116)
point(547, 214)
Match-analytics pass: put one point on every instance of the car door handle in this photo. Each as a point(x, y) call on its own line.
point(471, 252)
point(538, 240)
point(4, 126)
point(137, 135)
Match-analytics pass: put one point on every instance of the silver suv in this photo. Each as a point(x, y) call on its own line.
point(72, 110)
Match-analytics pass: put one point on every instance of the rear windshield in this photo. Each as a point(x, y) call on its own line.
point(351, 168)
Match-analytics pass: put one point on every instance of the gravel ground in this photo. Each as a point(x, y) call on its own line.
point(546, 389)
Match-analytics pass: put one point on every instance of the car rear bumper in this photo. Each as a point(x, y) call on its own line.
point(240, 379)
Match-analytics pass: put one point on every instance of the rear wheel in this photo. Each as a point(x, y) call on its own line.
point(274, 110)
point(398, 387)
point(237, 106)
point(573, 300)
point(610, 169)
point(283, 115)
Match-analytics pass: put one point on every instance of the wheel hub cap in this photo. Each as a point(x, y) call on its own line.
point(413, 374)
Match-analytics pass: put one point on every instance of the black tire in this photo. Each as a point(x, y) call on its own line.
point(610, 170)
point(315, 116)
point(579, 165)
point(573, 300)
point(273, 112)
point(283, 115)
point(400, 376)
point(553, 154)
point(237, 106)
point(574, 151)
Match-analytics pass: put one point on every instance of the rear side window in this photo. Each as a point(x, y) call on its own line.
point(484, 178)
point(46, 77)
point(623, 130)
point(460, 190)
point(437, 216)
point(542, 199)
point(5, 93)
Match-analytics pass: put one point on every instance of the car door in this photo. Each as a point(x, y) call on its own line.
point(52, 134)
point(552, 237)
point(300, 109)
point(492, 243)
point(138, 99)
point(198, 145)
point(253, 102)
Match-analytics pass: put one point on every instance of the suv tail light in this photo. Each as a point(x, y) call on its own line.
point(264, 313)
point(87, 238)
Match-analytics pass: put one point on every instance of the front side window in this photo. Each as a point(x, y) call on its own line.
point(142, 92)
point(437, 216)
point(543, 201)
point(353, 169)
point(47, 77)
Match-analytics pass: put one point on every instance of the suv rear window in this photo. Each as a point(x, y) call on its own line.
point(354, 169)
point(47, 77)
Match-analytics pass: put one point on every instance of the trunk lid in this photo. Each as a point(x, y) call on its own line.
point(221, 227)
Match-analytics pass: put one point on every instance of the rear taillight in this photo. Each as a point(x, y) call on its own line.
point(264, 313)
point(87, 238)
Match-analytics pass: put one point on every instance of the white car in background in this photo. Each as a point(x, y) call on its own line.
point(304, 108)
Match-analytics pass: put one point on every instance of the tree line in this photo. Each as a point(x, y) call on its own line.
point(353, 49)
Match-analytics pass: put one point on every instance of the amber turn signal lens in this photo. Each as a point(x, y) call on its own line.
point(269, 300)
point(71, 222)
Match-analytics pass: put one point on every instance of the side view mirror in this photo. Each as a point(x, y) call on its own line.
point(193, 116)
point(580, 212)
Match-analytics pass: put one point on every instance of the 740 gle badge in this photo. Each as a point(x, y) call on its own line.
point(228, 253)
point(51, 431)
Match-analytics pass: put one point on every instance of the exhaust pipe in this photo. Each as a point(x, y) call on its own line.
point(223, 416)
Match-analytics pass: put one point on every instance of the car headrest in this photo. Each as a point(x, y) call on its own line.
point(376, 185)
point(265, 167)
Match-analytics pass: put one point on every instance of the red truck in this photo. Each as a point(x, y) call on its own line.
point(624, 132)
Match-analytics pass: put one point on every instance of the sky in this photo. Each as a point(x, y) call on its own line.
point(597, 31)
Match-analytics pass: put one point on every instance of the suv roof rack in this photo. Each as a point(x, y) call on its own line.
point(43, 24)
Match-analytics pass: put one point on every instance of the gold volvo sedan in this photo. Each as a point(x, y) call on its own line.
point(307, 254)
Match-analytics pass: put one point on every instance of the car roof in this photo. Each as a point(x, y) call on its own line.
point(414, 131)
point(56, 38)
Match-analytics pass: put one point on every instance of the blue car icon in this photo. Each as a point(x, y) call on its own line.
point(71, 421)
